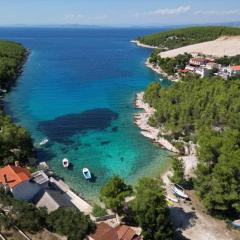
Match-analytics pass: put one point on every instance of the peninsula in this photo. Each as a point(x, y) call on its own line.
point(197, 119)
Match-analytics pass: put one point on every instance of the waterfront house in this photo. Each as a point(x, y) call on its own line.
point(198, 61)
point(235, 70)
point(52, 199)
point(202, 71)
point(122, 232)
point(18, 181)
point(190, 68)
point(213, 65)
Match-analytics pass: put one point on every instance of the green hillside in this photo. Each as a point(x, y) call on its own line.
point(12, 56)
point(205, 111)
point(186, 36)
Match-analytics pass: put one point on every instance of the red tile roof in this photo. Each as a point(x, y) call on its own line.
point(105, 232)
point(198, 59)
point(12, 176)
point(125, 233)
point(236, 68)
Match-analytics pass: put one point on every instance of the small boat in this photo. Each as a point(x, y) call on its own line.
point(65, 162)
point(43, 141)
point(236, 223)
point(86, 173)
point(3, 90)
point(179, 191)
point(172, 199)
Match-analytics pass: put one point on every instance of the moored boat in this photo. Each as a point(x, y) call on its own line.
point(43, 141)
point(179, 191)
point(236, 223)
point(65, 162)
point(172, 199)
point(86, 173)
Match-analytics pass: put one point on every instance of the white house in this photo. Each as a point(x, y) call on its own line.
point(202, 71)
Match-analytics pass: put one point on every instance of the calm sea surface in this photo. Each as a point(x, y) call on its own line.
point(78, 89)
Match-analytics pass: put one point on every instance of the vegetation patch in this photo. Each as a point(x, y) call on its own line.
point(207, 110)
point(187, 36)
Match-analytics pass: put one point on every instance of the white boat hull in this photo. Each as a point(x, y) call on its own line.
point(86, 173)
point(236, 223)
point(179, 192)
point(65, 163)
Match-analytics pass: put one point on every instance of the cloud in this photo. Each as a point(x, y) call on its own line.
point(165, 11)
point(81, 18)
point(218, 12)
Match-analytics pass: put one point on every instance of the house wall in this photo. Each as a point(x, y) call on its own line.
point(236, 73)
point(26, 190)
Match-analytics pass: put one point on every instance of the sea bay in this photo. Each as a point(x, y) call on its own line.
point(77, 89)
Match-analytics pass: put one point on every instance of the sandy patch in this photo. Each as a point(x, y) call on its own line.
point(229, 46)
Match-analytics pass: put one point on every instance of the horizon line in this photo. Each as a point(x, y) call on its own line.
point(233, 23)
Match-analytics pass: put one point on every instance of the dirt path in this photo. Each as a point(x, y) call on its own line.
point(190, 219)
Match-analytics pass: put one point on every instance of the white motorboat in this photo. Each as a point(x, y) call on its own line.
point(236, 224)
point(175, 200)
point(179, 191)
point(65, 162)
point(86, 173)
point(3, 90)
point(43, 141)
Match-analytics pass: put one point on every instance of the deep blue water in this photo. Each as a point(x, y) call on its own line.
point(77, 89)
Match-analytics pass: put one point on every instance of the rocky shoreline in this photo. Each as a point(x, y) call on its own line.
point(158, 70)
point(141, 120)
point(143, 45)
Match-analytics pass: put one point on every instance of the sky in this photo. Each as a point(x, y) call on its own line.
point(118, 12)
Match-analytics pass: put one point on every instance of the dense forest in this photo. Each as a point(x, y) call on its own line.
point(186, 36)
point(226, 60)
point(12, 56)
point(15, 141)
point(149, 209)
point(206, 111)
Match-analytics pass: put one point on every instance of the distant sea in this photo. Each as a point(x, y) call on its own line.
point(77, 89)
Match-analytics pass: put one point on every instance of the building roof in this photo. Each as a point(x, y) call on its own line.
point(184, 70)
point(12, 175)
point(198, 59)
point(125, 232)
point(106, 232)
point(235, 68)
point(52, 199)
point(39, 177)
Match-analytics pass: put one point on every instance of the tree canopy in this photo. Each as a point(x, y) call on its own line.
point(170, 65)
point(114, 192)
point(15, 141)
point(206, 111)
point(178, 171)
point(151, 210)
point(70, 222)
point(226, 60)
point(23, 214)
point(12, 56)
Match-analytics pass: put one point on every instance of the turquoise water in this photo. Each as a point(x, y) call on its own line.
point(78, 89)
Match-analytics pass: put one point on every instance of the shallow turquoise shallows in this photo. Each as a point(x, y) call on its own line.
point(78, 89)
